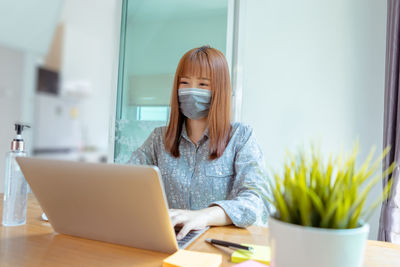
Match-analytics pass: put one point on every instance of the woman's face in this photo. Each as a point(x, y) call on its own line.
point(194, 82)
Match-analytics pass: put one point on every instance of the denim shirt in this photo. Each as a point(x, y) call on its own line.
point(192, 181)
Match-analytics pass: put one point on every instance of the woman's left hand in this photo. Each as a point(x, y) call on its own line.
point(189, 220)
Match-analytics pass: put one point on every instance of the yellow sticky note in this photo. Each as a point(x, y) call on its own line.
point(187, 258)
point(261, 254)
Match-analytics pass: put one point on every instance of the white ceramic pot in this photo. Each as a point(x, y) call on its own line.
point(298, 246)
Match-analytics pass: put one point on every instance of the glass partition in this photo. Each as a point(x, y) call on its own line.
point(154, 36)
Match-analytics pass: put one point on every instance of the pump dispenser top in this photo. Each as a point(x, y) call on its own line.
point(18, 143)
point(15, 188)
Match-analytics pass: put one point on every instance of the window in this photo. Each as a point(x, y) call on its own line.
point(146, 113)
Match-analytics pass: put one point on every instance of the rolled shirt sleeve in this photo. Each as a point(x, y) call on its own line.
point(245, 205)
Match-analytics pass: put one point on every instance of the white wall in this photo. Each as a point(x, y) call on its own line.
point(32, 25)
point(91, 28)
point(28, 25)
point(91, 41)
point(314, 71)
point(11, 65)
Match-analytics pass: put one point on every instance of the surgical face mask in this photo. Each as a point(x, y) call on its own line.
point(194, 103)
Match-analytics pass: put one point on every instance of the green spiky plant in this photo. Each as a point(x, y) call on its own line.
point(326, 195)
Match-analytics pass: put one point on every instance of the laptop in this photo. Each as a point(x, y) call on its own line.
point(121, 204)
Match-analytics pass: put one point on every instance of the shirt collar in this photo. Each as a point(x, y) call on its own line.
point(206, 133)
point(184, 132)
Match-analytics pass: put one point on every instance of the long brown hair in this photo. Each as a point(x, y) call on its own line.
point(203, 62)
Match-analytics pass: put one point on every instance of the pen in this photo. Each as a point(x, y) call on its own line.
point(228, 244)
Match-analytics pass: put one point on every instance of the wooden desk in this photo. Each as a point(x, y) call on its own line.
point(35, 244)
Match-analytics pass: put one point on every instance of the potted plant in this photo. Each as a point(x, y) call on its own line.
point(319, 217)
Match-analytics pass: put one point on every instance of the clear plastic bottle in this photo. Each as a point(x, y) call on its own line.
point(16, 187)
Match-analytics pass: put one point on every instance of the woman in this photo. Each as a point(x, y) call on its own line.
point(207, 163)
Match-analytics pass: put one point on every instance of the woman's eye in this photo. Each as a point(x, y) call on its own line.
point(203, 84)
point(183, 82)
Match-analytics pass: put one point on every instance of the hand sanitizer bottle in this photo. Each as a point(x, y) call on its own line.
point(16, 187)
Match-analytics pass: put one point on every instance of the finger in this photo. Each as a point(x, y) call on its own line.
point(179, 219)
point(184, 231)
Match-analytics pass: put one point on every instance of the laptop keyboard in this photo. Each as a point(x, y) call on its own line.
point(189, 238)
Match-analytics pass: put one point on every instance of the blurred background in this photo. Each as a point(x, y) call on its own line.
point(93, 78)
point(56, 69)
